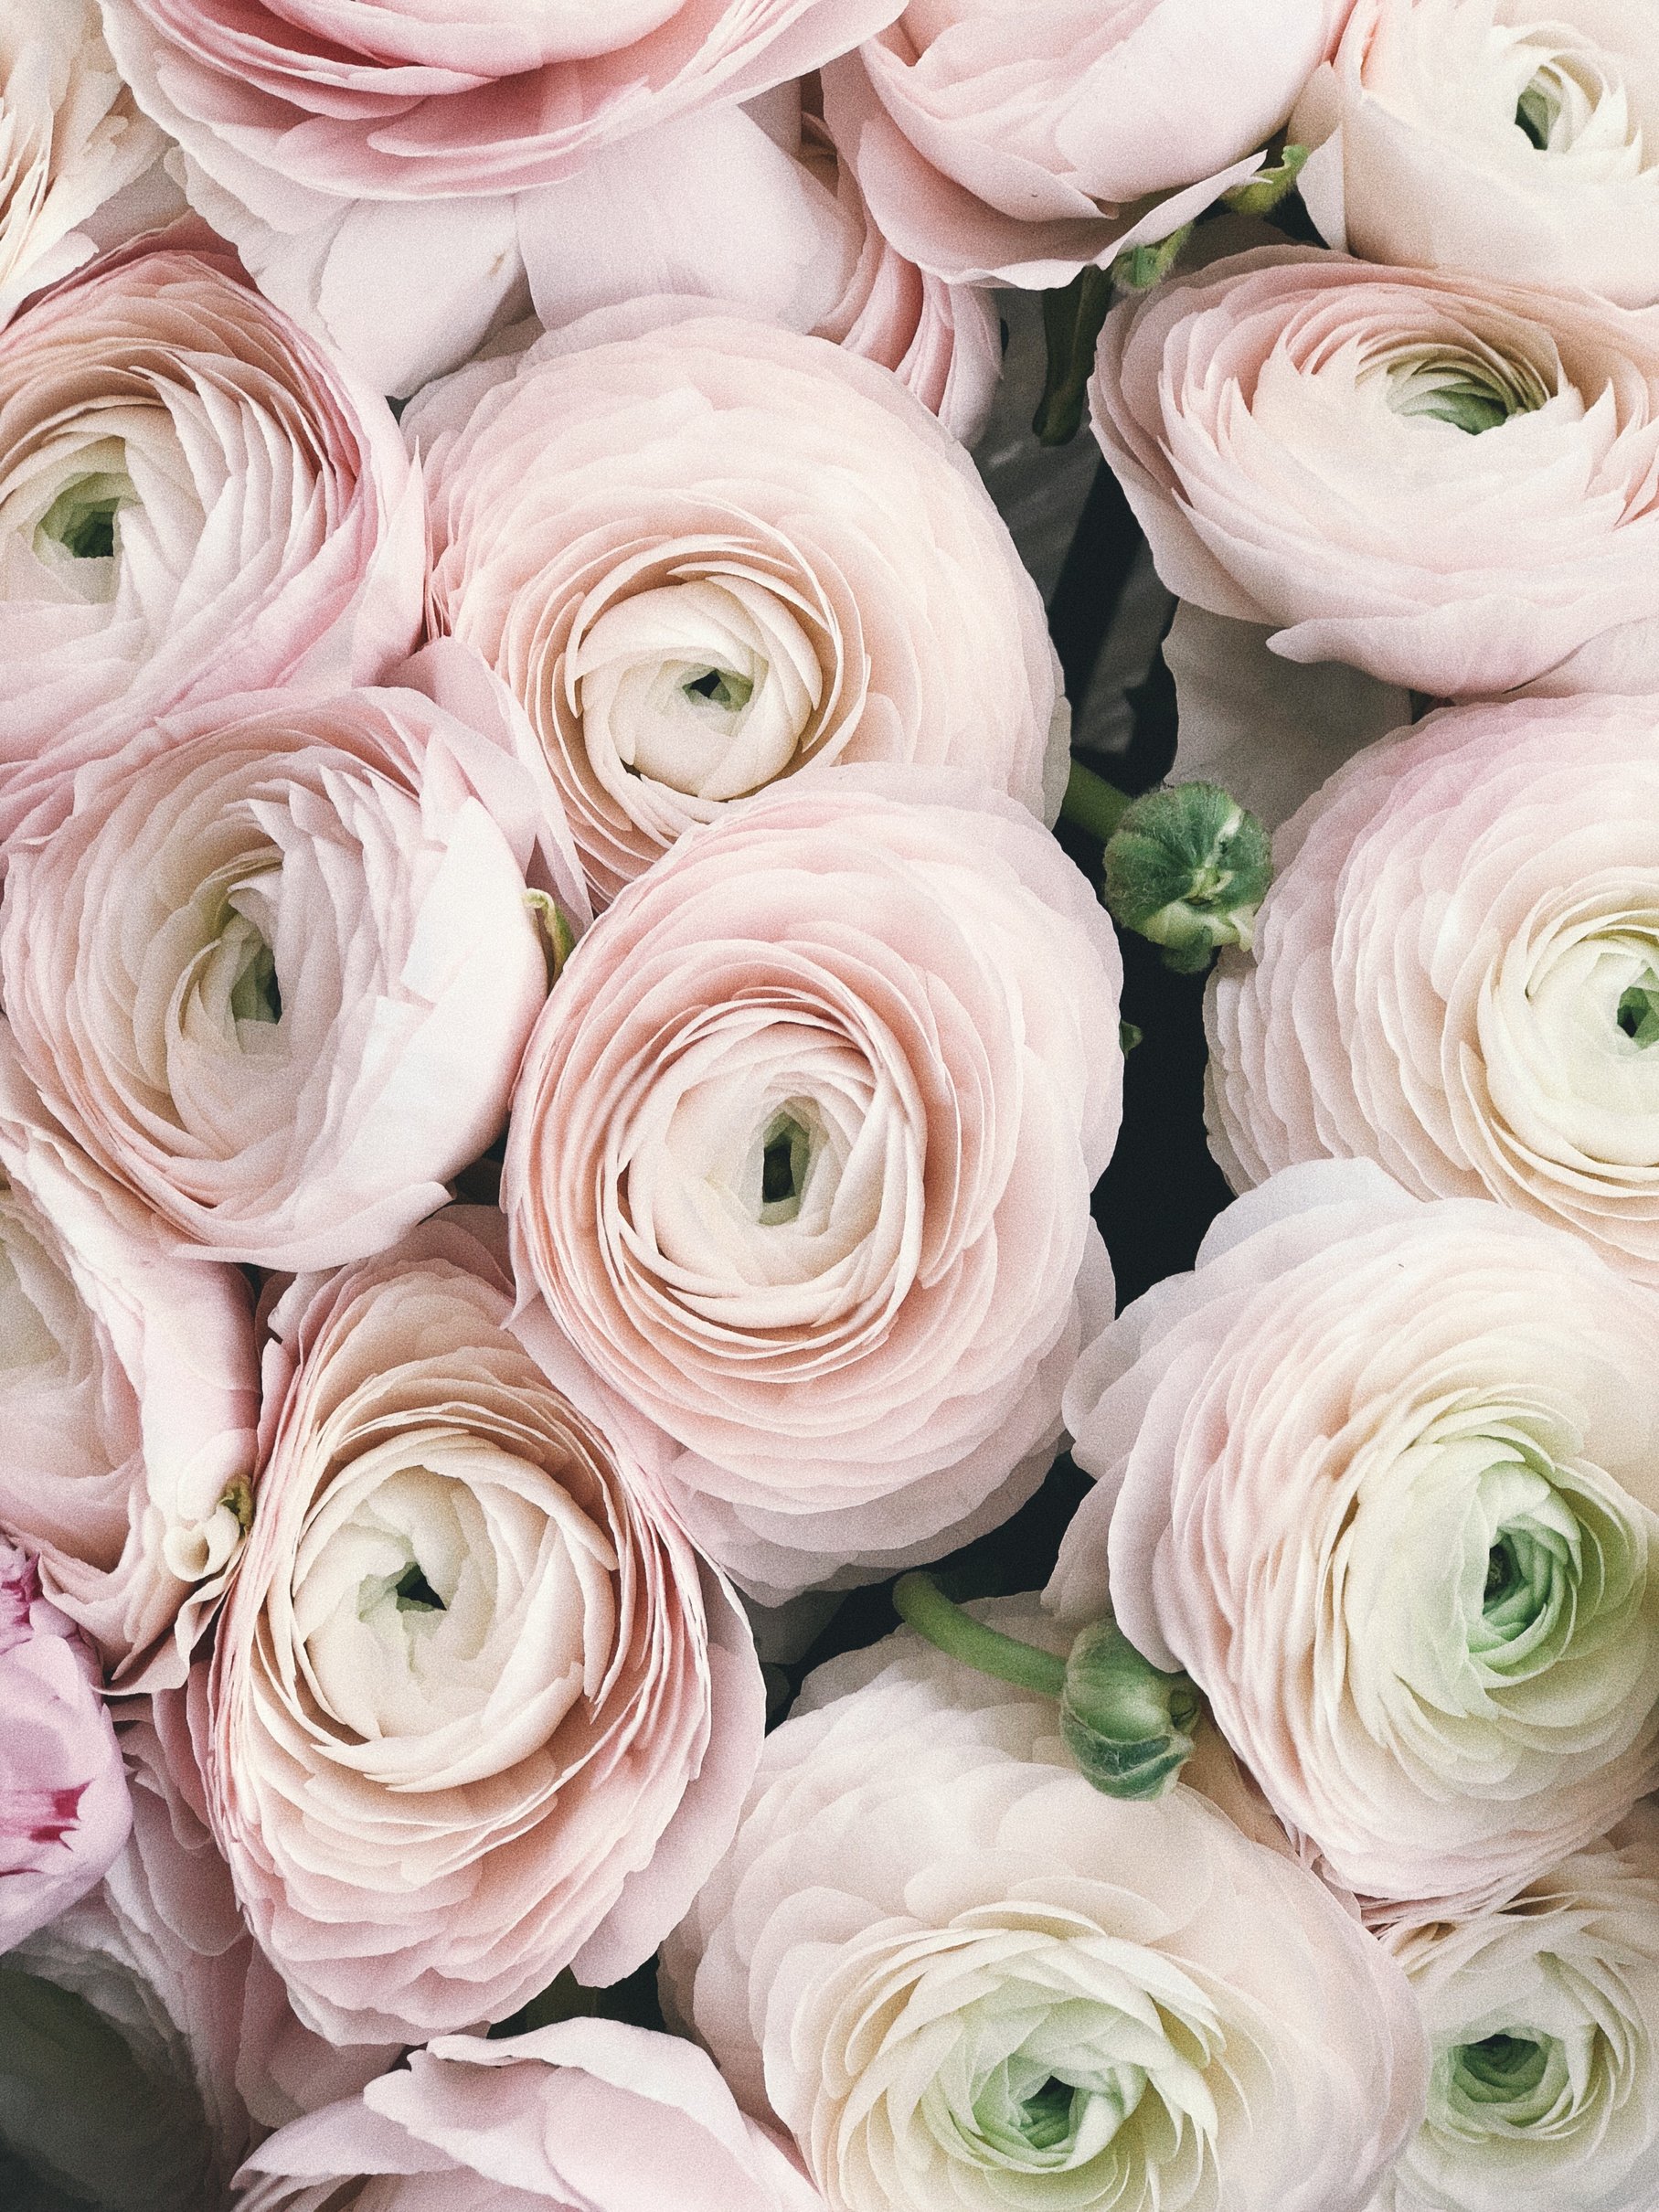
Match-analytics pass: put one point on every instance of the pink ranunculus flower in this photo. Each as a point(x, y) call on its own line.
point(1447, 481)
point(196, 500)
point(801, 1159)
point(706, 553)
point(64, 1811)
point(74, 148)
point(1543, 2025)
point(1021, 144)
point(587, 2116)
point(1456, 973)
point(1493, 135)
point(479, 1711)
point(378, 167)
point(1383, 1477)
point(145, 2035)
point(128, 1401)
point(962, 1977)
point(276, 969)
point(757, 208)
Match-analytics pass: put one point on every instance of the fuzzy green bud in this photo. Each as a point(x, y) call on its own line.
point(1187, 866)
point(1126, 1722)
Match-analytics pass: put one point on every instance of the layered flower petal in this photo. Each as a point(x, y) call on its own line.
point(275, 971)
point(1022, 144)
point(1448, 482)
point(195, 501)
point(1543, 2025)
point(128, 1398)
point(1381, 1477)
point(1495, 136)
point(961, 1976)
point(801, 1159)
point(705, 554)
point(589, 2116)
point(71, 143)
point(64, 1811)
point(1452, 972)
point(479, 1712)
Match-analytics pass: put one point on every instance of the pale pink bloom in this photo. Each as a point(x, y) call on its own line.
point(1019, 141)
point(1448, 482)
point(161, 2043)
point(963, 1977)
point(196, 500)
point(276, 969)
point(1452, 972)
point(588, 2116)
point(1543, 2025)
point(1493, 135)
point(705, 554)
point(73, 148)
point(801, 1159)
point(380, 167)
point(128, 1397)
point(1384, 1478)
point(757, 208)
point(479, 1711)
point(64, 1812)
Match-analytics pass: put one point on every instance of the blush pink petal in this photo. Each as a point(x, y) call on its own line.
point(916, 967)
point(588, 2116)
point(439, 1864)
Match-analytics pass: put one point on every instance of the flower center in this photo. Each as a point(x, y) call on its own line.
point(1538, 109)
point(786, 1159)
point(1638, 1014)
point(1472, 392)
point(254, 995)
point(721, 688)
point(81, 520)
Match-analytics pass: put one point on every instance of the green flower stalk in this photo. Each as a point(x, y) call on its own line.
point(1127, 1725)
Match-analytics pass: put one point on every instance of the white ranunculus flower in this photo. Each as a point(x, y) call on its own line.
point(1516, 137)
point(70, 139)
point(965, 1979)
point(1382, 1477)
point(1543, 2025)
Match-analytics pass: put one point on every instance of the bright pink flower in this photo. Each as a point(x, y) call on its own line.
point(63, 1796)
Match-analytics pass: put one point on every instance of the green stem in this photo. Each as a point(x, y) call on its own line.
point(1091, 803)
point(919, 1599)
point(1072, 316)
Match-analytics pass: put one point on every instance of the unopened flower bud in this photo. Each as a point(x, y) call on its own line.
point(1188, 867)
point(1127, 1724)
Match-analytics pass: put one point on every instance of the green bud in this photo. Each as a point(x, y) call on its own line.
point(1127, 1724)
point(1139, 268)
point(558, 939)
point(1188, 867)
point(1264, 191)
point(1128, 1037)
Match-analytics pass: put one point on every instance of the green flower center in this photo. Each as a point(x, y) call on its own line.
point(720, 687)
point(81, 519)
point(1638, 1014)
point(1044, 2118)
point(1471, 391)
point(1499, 2067)
point(1529, 1602)
point(1538, 109)
point(786, 1158)
point(414, 1594)
point(254, 995)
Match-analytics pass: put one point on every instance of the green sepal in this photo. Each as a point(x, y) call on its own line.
point(1264, 191)
point(1126, 1722)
